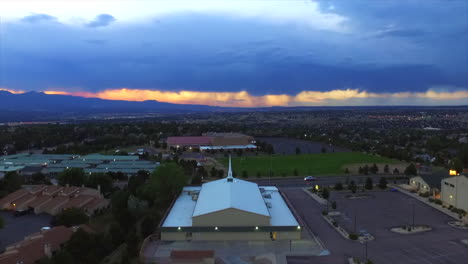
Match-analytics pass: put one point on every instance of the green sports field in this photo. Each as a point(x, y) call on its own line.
point(305, 164)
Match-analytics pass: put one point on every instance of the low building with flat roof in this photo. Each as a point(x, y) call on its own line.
point(230, 209)
point(455, 191)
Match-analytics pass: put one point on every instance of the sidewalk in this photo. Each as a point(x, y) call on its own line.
point(426, 201)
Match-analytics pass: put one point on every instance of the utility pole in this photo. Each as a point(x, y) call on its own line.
point(366, 249)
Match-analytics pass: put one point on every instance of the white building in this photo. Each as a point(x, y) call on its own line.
point(230, 209)
point(455, 191)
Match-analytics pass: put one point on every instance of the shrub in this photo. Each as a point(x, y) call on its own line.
point(338, 186)
point(324, 212)
point(353, 236)
point(383, 183)
point(369, 184)
point(439, 202)
point(425, 194)
point(431, 200)
point(335, 224)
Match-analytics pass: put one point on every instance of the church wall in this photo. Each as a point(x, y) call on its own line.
point(231, 217)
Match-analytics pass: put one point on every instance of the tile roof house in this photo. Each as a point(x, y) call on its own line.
point(53, 199)
point(37, 246)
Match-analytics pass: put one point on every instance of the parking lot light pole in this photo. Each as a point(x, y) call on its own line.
point(366, 249)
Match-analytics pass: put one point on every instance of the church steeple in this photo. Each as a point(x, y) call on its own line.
point(229, 177)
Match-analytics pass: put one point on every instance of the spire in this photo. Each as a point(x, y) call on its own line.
point(229, 177)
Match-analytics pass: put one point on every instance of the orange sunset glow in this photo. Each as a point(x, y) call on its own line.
point(244, 99)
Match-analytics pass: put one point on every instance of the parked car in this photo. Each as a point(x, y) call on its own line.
point(310, 178)
point(21, 212)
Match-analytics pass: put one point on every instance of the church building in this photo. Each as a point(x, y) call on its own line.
point(230, 209)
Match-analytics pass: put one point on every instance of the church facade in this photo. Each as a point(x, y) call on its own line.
point(230, 209)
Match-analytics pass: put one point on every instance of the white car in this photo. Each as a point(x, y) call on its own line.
point(310, 178)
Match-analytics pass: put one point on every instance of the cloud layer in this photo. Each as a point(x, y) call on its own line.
point(352, 97)
point(250, 52)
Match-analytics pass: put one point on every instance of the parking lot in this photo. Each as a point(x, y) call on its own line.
point(16, 228)
point(376, 215)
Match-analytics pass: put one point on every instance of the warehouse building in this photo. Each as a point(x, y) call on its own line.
point(455, 191)
point(54, 164)
point(230, 209)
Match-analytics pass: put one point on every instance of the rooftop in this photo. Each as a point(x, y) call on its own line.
point(222, 194)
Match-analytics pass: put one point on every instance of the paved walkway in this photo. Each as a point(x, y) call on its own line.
point(161, 250)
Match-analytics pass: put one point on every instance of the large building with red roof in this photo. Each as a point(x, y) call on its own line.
point(213, 141)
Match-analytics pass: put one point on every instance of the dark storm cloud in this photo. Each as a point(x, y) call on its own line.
point(101, 20)
point(214, 53)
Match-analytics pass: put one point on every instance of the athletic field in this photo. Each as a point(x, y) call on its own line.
point(304, 164)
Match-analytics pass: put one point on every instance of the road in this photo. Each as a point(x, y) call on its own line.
point(323, 180)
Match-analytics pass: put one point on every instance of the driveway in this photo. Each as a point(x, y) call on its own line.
point(16, 228)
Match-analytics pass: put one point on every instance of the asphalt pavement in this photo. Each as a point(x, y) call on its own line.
point(324, 180)
point(442, 245)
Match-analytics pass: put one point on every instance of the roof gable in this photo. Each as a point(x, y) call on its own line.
point(222, 194)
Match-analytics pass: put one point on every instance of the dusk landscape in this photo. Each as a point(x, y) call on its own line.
point(234, 132)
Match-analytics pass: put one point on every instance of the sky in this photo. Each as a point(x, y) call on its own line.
point(242, 53)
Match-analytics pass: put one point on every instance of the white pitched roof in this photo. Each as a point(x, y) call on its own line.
point(222, 194)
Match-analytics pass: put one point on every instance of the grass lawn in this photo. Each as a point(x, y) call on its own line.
point(306, 164)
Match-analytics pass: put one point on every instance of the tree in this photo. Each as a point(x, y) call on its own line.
point(102, 180)
point(346, 171)
point(396, 171)
point(361, 170)
point(213, 172)
point(11, 182)
point(369, 184)
point(456, 164)
point(38, 178)
point(71, 217)
point(147, 226)
point(197, 179)
point(374, 169)
point(383, 183)
point(245, 174)
point(366, 169)
point(135, 182)
point(72, 176)
point(298, 151)
point(352, 186)
point(325, 193)
point(116, 234)
point(165, 184)
point(132, 244)
point(411, 170)
point(324, 149)
point(220, 173)
point(386, 169)
point(338, 186)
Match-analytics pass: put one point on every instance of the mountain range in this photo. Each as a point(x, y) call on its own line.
point(38, 106)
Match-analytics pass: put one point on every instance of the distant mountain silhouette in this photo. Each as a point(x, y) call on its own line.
point(38, 106)
point(33, 105)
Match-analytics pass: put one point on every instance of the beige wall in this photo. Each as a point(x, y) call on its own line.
point(231, 217)
point(419, 184)
point(219, 236)
point(457, 195)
